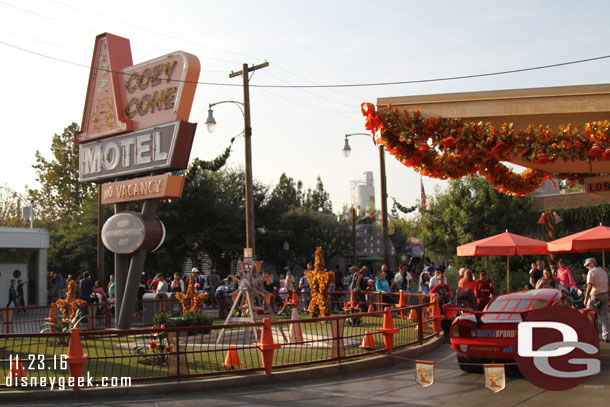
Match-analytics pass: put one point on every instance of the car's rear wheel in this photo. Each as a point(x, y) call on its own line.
point(469, 366)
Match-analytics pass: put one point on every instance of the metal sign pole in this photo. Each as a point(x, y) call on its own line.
point(136, 266)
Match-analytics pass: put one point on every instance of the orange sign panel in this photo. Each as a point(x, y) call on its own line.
point(124, 97)
point(138, 189)
point(103, 114)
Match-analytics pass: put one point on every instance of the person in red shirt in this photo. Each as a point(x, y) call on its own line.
point(484, 290)
point(465, 294)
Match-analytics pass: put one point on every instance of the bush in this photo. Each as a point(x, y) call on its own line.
point(161, 318)
point(188, 319)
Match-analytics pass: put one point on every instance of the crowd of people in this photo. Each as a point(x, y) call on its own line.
point(429, 278)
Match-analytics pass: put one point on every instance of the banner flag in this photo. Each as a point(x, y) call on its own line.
point(423, 203)
point(495, 377)
point(424, 373)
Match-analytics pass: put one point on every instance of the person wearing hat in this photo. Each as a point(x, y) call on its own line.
point(596, 295)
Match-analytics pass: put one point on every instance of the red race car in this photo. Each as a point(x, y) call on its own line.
point(489, 336)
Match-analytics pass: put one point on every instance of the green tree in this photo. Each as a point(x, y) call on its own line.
point(10, 208)
point(73, 244)
point(318, 199)
point(471, 209)
point(209, 219)
point(305, 229)
point(61, 195)
point(286, 195)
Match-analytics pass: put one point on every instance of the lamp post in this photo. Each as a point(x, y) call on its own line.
point(211, 125)
point(384, 204)
point(286, 247)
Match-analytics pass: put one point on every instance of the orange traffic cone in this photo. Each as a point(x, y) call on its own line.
point(368, 342)
point(296, 334)
point(16, 370)
point(402, 302)
point(413, 315)
point(267, 346)
point(295, 297)
point(388, 330)
point(232, 358)
point(352, 299)
point(371, 308)
point(52, 318)
point(436, 314)
point(76, 358)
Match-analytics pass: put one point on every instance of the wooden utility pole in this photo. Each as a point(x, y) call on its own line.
point(250, 231)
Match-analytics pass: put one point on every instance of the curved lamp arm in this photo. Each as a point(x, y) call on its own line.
point(211, 123)
point(346, 148)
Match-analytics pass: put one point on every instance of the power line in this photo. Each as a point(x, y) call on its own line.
point(311, 93)
point(450, 78)
point(131, 25)
point(352, 85)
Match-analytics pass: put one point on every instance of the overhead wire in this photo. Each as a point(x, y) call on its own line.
point(42, 41)
point(330, 87)
point(312, 82)
point(451, 78)
point(356, 108)
point(131, 25)
point(309, 93)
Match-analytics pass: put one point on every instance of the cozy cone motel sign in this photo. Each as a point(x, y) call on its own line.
point(135, 122)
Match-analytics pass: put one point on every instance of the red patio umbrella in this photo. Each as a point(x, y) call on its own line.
point(596, 239)
point(504, 244)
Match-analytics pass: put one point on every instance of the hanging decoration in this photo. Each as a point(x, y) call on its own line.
point(424, 373)
point(213, 166)
point(401, 208)
point(319, 283)
point(495, 377)
point(453, 148)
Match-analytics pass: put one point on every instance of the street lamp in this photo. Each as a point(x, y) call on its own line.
point(211, 122)
point(384, 204)
point(211, 125)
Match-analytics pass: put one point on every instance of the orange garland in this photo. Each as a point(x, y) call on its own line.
point(191, 301)
point(453, 148)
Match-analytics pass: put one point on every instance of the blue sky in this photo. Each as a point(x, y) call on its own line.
point(297, 131)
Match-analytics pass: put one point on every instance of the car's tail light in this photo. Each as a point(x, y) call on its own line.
point(461, 331)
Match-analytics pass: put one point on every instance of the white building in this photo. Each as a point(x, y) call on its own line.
point(363, 192)
point(23, 256)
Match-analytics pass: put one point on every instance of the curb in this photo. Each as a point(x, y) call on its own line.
point(257, 379)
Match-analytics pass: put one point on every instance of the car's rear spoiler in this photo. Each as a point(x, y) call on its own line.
point(450, 311)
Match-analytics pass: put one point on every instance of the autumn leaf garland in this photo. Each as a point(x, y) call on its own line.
point(453, 148)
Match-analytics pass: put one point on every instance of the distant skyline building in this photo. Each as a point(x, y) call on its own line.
point(363, 192)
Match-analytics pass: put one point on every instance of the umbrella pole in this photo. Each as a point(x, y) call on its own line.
point(507, 274)
point(604, 259)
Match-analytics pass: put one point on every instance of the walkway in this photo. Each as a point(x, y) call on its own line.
point(386, 387)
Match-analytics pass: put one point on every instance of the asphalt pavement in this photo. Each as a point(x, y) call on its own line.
point(394, 386)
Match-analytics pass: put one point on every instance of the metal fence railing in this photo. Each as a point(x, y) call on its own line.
point(101, 316)
point(174, 354)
